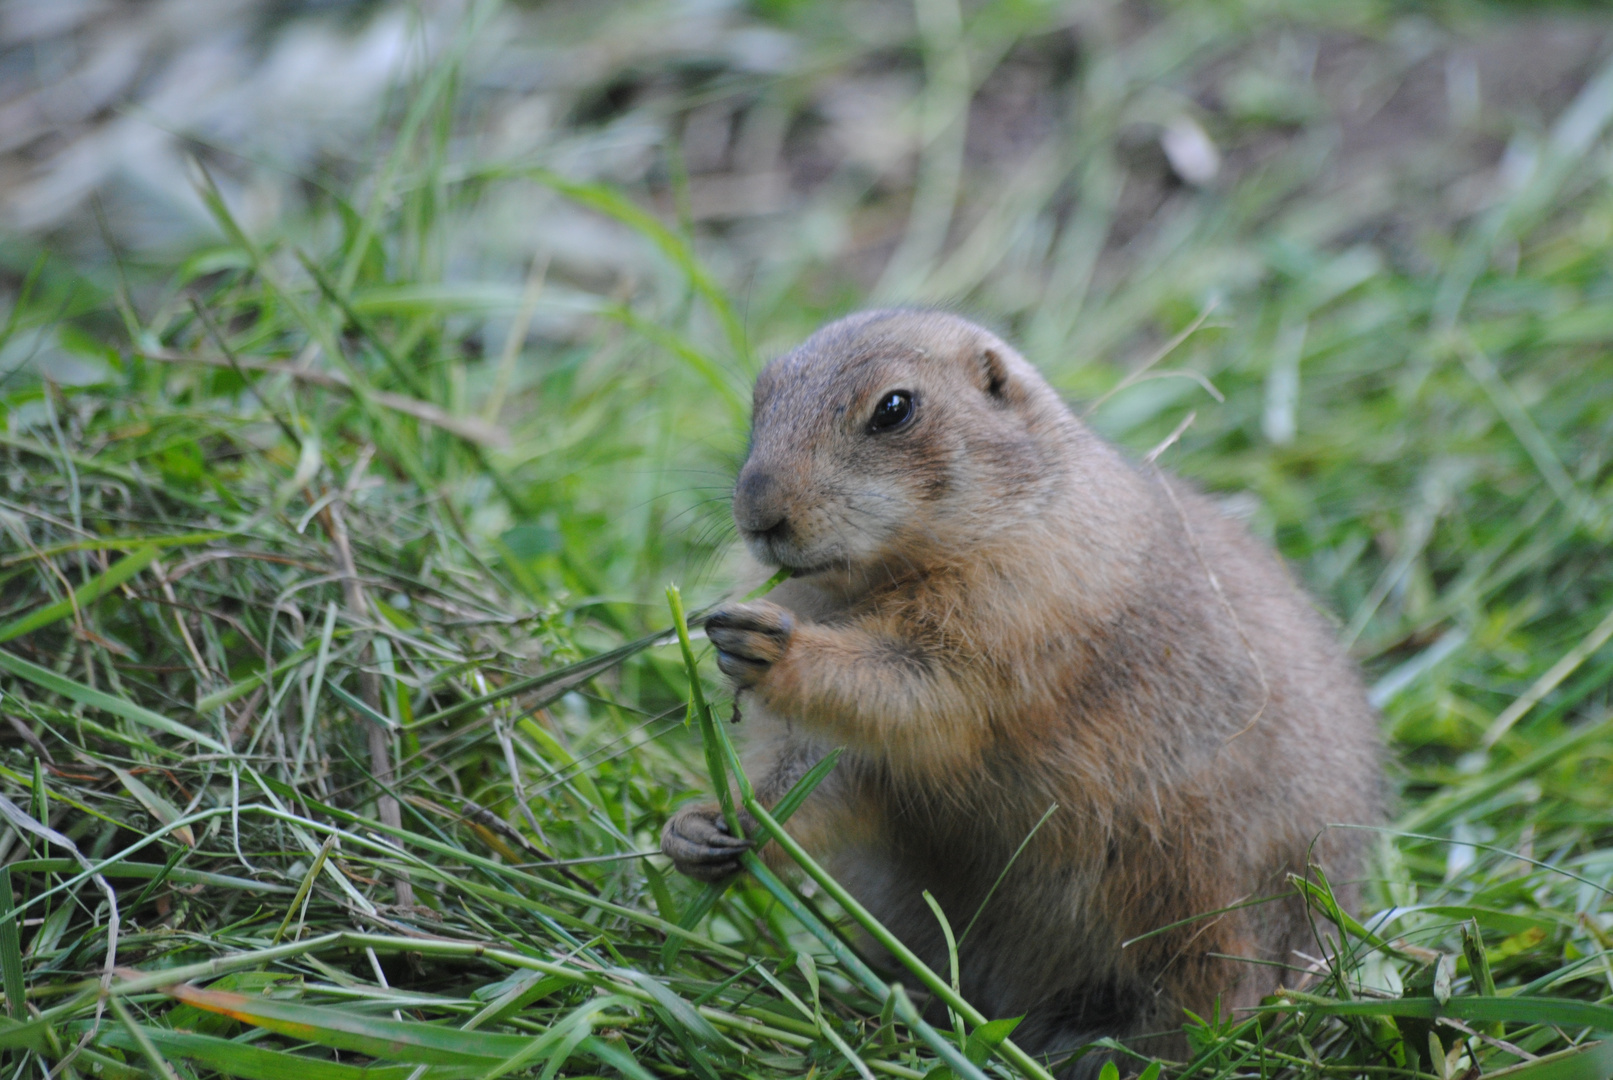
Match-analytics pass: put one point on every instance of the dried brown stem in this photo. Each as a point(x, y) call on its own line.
point(369, 687)
point(481, 815)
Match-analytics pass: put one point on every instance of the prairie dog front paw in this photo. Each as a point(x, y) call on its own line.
point(699, 844)
point(750, 639)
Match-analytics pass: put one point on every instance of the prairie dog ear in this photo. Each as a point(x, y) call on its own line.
point(995, 374)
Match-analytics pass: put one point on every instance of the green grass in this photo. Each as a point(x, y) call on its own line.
point(341, 709)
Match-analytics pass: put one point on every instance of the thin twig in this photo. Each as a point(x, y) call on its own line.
point(1137, 374)
point(1170, 440)
point(481, 815)
point(1495, 1041)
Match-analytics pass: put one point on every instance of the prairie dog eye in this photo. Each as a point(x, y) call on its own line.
point(893, 410)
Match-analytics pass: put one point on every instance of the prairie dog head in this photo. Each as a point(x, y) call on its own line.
point(892, 439)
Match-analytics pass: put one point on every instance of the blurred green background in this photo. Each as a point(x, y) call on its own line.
point(457, 305)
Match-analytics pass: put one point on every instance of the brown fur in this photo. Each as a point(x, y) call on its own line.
point(998, 612)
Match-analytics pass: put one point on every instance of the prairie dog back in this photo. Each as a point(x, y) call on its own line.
point(996, 613)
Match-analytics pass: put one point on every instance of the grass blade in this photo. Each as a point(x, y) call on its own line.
point(701, 712)
point(389, 1040)
point(1591, 1062)
point(86, 594)
point(140, 871)
point(1566, 1012)
point(11, 950)
point(158, 807)
point(611, 202)
point(256, 1062)
point(153, 1056)
point(84, 695)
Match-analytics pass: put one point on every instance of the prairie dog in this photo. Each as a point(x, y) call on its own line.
point(994, 612)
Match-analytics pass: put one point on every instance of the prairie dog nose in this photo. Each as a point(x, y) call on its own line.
point(758, 501)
